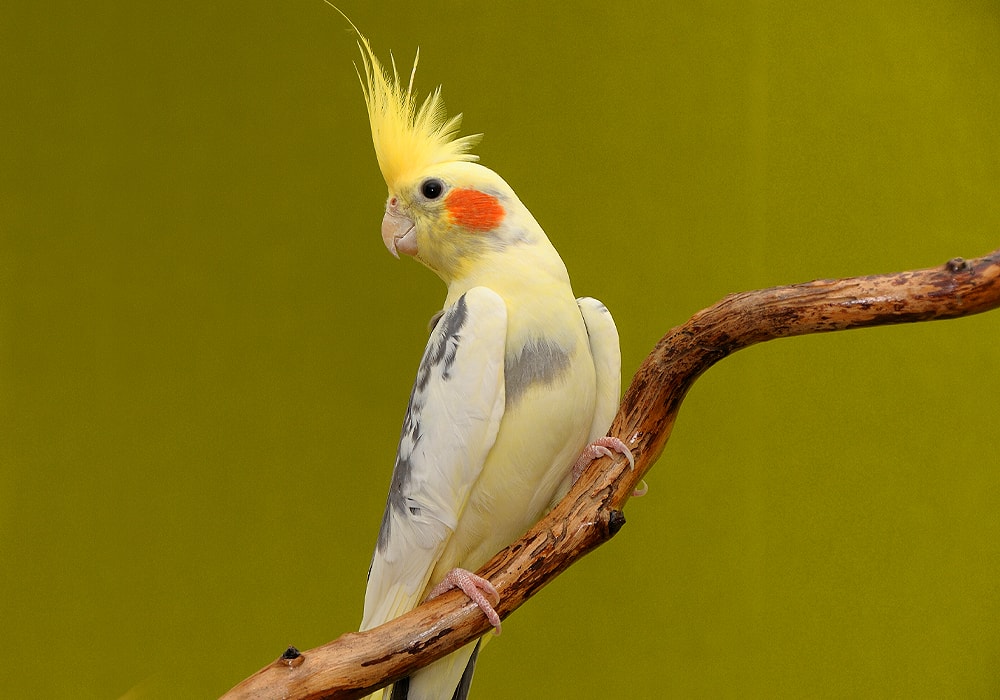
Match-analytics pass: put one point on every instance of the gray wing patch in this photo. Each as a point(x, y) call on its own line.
point(441, 350)
point(537, 362)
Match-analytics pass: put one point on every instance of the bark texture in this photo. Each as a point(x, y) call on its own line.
point(358, 663)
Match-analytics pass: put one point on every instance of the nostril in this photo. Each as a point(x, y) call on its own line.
point(392, 202)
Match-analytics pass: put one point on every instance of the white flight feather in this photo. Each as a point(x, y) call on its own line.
point(606, 351)
point(458, 424)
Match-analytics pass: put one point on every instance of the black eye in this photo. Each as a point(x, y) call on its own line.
point(432, 188)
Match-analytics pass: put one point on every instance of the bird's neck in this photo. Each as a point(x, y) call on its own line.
point(521, 271)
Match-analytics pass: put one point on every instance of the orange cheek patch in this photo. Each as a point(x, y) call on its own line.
point(474, 209)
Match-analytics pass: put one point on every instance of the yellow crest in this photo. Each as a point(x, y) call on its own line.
point(407, 138)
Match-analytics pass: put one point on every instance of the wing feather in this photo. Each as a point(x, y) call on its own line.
point(604, 348)
point(451, 424)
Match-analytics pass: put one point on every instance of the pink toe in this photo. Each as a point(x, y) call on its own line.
point(474, 587)
point(601, 447)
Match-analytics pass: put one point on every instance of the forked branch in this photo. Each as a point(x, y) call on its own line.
point(358, 663)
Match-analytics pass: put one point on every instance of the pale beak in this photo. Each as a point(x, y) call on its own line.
point(399, 233)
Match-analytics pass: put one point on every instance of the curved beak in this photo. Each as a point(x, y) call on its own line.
point(399, 233)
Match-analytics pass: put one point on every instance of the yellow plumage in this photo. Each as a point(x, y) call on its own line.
point(408, 138)
point(517, 378)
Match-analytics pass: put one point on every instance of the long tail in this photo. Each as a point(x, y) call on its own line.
point(401, 690)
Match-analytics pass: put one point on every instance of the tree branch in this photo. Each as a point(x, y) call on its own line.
point(358, 663)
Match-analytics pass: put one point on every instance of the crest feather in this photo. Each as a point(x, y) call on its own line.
point(407, 138)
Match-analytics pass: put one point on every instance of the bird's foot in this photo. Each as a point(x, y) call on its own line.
point(475, 587)
point(601, 447)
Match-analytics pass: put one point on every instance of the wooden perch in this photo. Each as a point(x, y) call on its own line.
point(358, 663)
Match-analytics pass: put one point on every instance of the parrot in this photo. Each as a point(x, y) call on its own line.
point(517, 386)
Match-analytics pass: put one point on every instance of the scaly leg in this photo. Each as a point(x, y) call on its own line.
point(474, 587)
point(601, 447)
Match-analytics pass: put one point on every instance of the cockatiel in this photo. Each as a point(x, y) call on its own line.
point(517, 386)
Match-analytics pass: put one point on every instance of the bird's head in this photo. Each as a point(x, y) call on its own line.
point(443, 208)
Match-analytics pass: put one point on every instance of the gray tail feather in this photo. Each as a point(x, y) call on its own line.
point(401, 689)
point(462, 691)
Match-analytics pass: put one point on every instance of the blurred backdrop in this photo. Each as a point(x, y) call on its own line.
point(206, 351)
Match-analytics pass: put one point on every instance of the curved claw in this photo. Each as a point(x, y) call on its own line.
point(601, 447)
point(474, 587)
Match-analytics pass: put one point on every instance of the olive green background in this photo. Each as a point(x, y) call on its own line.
point(206, 351)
